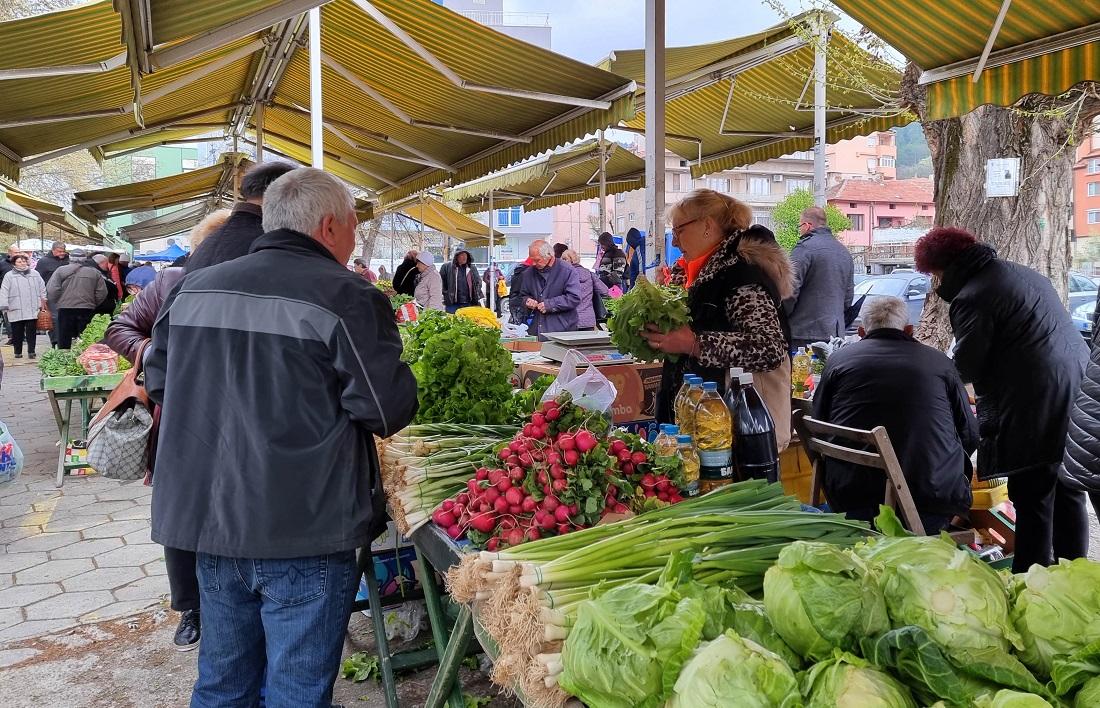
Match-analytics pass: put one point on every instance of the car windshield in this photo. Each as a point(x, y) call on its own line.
point(882, 286)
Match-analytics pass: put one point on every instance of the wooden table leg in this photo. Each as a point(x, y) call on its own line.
point(446, 689)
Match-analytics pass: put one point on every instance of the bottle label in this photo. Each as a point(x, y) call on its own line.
point(691, 489)
point(715, 464)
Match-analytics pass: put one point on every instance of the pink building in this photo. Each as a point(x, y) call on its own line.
point(577, 225)
point(871, 156)
point(873, 204)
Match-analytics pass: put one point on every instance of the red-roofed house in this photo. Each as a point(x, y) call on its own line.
point(891, 204)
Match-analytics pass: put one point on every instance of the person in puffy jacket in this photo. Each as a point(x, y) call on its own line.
point(635, 257)
point(429, 286)
point(76, 290)
point(1016, 342)
point(517, 310)
point(586, 314)
point(405, 275)
point(461, 283)
point(22, 297)
point(1081, 462)
point(612, 263)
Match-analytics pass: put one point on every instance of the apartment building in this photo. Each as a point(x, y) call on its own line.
point(153, 163)
point(871, 156)
point(884, 210)
point(1086, 187)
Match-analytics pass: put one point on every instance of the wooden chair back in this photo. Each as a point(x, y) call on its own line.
point(825, 440)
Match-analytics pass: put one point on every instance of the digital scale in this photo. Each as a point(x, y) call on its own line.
point(595, 345)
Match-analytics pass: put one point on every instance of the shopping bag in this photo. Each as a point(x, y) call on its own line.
point(11, 457)
point(118, 440)
point(591, 390)
point(44, 322)
point(99, 359)
point(615, 292)
point(407, 312)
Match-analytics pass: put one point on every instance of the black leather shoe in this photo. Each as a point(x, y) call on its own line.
point(188, 631)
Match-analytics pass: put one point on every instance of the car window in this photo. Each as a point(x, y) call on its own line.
point(882, 286)
point(1081, 284)
point(919, 284)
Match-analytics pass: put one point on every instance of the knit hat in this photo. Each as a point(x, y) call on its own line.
point(426, 258)
point(78, 253)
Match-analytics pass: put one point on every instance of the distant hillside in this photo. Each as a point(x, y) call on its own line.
point(914, 158)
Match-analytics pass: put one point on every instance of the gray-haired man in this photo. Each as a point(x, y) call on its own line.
point(47, 266)
point(824, 282)
point(266, 466)
point(915, 392)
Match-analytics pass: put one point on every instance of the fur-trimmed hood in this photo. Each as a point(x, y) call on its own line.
point(755, 245)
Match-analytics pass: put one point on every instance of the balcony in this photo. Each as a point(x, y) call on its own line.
point(508, 19)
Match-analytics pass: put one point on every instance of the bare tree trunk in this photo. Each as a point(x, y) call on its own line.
point(370, 237)
point(1031, 228)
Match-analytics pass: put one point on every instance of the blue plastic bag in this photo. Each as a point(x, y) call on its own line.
point(11, 457)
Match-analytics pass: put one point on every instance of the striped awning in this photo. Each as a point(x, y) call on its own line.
point(209, 183)
point(50, 213)
point(14, 217)
point(1041, 46)
point(567, 175)
point(743, 101)
point(415, 95)
point(437, 216)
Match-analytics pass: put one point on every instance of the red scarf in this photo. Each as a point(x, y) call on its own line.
point(694, 267)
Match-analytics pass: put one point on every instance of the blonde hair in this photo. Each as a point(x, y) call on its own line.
point(570, 256)
point(210, 223)
point(730, 214)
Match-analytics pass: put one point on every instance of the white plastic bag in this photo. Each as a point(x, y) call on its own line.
point(591, 390)
point(11, 457)
point(511, 331)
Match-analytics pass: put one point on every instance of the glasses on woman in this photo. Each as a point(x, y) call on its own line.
point(677, 230)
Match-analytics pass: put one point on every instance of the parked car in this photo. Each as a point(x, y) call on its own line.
point(909, 286)
point(1084, 318)
point(1082, 289)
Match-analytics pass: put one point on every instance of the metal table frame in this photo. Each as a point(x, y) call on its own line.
point(85, 390)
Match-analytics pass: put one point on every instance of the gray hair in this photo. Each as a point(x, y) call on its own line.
point(884, 312)
point(543, 248)
point(301, 198)
point(815, 217)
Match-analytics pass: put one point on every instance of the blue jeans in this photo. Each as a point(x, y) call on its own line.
point(289, 615)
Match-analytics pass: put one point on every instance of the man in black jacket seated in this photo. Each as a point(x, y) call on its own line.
point(915, 392)
point(234, 238)
point(274, 373)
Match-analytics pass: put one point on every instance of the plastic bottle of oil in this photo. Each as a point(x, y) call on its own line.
point(685, 412)
point(690, 461)
point(714, 436)
point(800, 370)
point(681, 396)
point(666, 443)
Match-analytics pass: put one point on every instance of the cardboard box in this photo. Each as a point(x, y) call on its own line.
point(795, 471)
point(647, 429)
point(636, 384)
point(521, 345)
point(395, 571)
point(1002, 519)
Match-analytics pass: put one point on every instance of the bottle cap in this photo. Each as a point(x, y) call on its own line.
point(745, 379)
point(695, 379)
point(664, 428)
point(736, 371)
point(673, 429)
point(683, 439)
point(710, 386)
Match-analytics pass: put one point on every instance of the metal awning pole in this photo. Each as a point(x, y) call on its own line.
point(236, 173)
point(316, 116)
point(655, 125)
point(820, 46)
point(260, 133)
point(493, 287)
point(420, 247)
point(603, 184)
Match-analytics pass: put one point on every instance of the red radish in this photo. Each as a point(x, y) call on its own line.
point(473, 486)
point(484, 523)
point(513, 461)
point(490, 495)
point(515, 509)
point(504, 453)
point(540, 515)
point(458, 509)
point(532, 534)
point(638, 458)
point(542, 477)
point(663, 485)
point(563, 529)
point(513, 537)
point(547, 490)
point(448, 504)
point(496, 475)
point(538, 433)
point(517, 474)
point(526, 460)
point(627, 468)
point(481, 474)
point(559, 485)
point(504, 484)
point(566, 442)
point(573, 509)
point(571, 458)
point(548, 523)
point(552, 403)
point(561, 514)
point(514, 496)
point(527, 429)
point(663, 496)
point(553, 457)
point(538, 419)
point(623, 456)
point(552, 414)
point(493, 544)
point(443, 518)
point(620, 509)
point(650, 494)
point(462, 498)
point(617, 446)
point(529, 504)
point(557, 472)
point(609, 500)
point(501, 505)
point(550, 503)
point(585, 441)
point(455, 532)
point(507, 522)
point(648, 482)
point(675, 498)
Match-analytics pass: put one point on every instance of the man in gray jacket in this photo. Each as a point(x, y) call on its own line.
point(75, 290)
point(824, 282)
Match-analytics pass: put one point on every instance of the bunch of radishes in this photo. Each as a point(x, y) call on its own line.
point(556, 475)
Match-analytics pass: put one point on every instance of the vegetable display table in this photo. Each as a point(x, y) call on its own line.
point(85, 390)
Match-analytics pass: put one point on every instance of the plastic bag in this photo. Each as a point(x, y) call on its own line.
point(404, 621)
point(407, 312)
point(512, 331)
point(591, 390)
point(615, 292)
point(99, 359)
point(11, 457)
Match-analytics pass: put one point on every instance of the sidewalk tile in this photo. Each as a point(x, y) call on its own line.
point(24, 499)
point(107, 507)
point(156, 567)
point(43, 542)
point(14, 562)
point(82, 522)
point(133, 490)
point(11, 657)
point(10, 617)
point(116, 529)
point(69, 605)
point(153, 587)
point(35, 628)
point(86, 549)
point(102, 579)
point(53, 571)
point(17, 532)
point(116, 610)
point(138, 554)
point(142, 535)
point(21, 595)
point(138, 512)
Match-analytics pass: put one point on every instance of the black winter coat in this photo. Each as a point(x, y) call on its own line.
point(1015, 341)
point(915, 392)
point(404, 277)
point(48, 264)
point(232, 239)
point(1081, 461)
point(516, 303)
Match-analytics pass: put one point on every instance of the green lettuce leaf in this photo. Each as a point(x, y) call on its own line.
point(846, 681)
point(1089, 695)
point(1076, 669)
point(821, 597)
point(732, 671)
point(644, 304)
point(1013, 699)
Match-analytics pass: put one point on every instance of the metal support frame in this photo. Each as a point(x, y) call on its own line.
point(38, 72)
point(493, 286)
point(317, 131)
point(822, 29)
point(655, 126)
point(350, 162)
point(260, 133)
point(992, 40)
point(603, 181)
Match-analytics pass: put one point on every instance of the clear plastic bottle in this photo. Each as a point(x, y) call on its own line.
point(681, 396)
point(800, 370)
point(756, 454)
point(714, 436)
point(666, 443)
point(690, 461)
point(685, 413)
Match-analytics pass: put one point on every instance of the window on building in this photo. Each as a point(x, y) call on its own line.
point(632, 215)
point(760, 185)
point(872, 141)
point(793, 185)
point(857, 221)
point(886, 139)
point(851, 205)
point(594, 208)
point(886, 161)
point(885, 222)
point(1094, 166)
point(1094, 216)
point(893, 206)
point(1094, 189)
point(189, 165)
point(620, 197)
point(872, 163)
point(509, 216)
point(764, 218)
point(143, 167)
point(620, 224)
point(719, 184)
point(924, 207)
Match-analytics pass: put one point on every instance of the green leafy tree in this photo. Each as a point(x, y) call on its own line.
point(788, 215)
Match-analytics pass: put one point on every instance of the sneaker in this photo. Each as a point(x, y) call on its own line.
point(18, 356)
point(188, 631)
point(32, 355)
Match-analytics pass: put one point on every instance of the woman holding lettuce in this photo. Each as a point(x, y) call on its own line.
point(736, 277)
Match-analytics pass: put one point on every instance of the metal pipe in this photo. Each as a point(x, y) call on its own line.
point(992, 39)
point(260, 133)
point(820, 45)
point(493, 287)
point(655, 126)
point(236, 174)
point(37, 72)
point(317, 130)
point(603, 181)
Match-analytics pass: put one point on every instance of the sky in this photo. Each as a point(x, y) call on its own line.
point(588, 30)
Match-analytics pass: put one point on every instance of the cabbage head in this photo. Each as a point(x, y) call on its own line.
point(731, 671)
point(929, 582)
point(1013, 699)
point(846, 681)
point(820, 597)
point(1057, 611)
point(1089, 695)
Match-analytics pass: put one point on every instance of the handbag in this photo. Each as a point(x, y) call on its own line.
point(118, 440)
point(44, 323)
point(598, 306)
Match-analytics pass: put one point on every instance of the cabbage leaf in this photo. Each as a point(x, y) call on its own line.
point(732, 671)
point(846, 681)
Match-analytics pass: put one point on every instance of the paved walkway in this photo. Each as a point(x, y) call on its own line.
point(73, 555)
